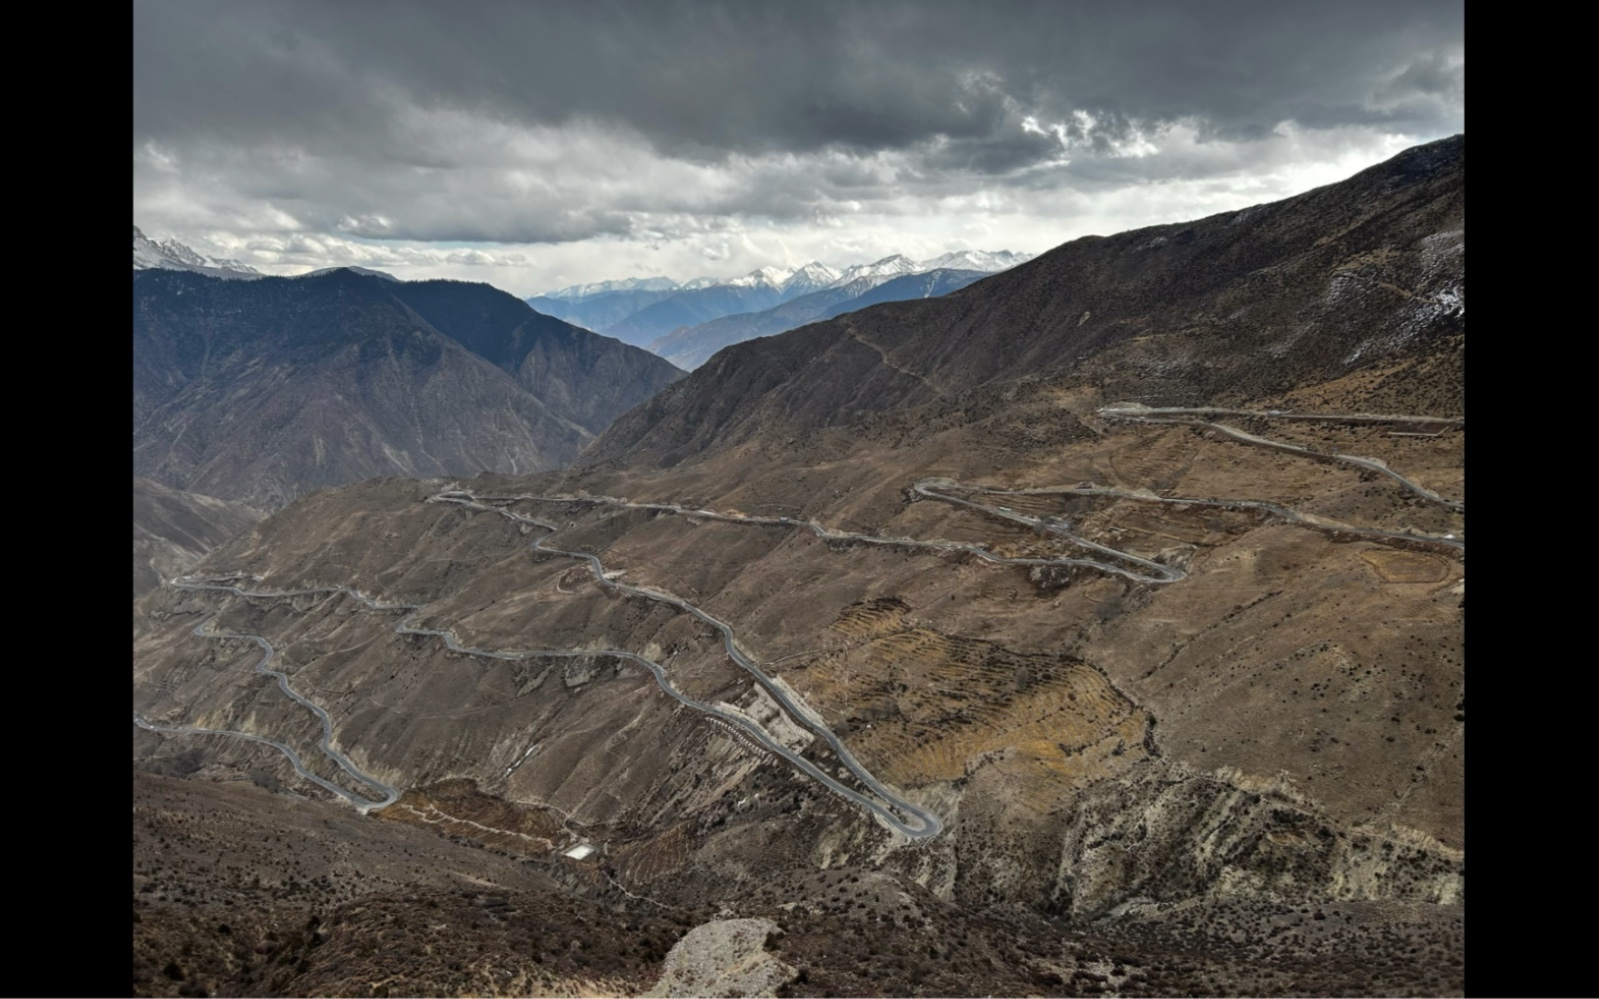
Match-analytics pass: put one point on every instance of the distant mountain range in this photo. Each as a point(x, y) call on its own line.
point(685, 322)
point(171, 255)
point(259, 390)
point(646, 311)
point(691, 346)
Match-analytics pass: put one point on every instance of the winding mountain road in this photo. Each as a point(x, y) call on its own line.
point(1157, 573)
point(1138, 409)
point(1287, 513)
point(1142, 414)
point(905, 817)
point(264, 667)
point(911, 820)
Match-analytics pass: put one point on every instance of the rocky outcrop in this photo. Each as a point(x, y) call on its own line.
point(724, 958)
point(1164, 834)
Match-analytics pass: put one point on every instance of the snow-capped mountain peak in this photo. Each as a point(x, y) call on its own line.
point(792, 282)
point(812, 277)
point(977, 260)
point(772, 277)
point(878, 271)
point(604, 287)
point(174, 256)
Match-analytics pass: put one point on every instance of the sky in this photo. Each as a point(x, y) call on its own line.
point(538, 145)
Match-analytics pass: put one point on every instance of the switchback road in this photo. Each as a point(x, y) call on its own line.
point(390, 795)
point(1144, 414)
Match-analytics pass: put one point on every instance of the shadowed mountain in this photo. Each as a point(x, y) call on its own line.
point(587, 378)
point(692, 346)
point(173, 529)
point(1356, 276)
point(258, 391)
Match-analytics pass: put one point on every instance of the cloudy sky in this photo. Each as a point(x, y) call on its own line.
point(535, 145)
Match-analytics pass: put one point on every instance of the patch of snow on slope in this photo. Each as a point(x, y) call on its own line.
point(624, 284)
point(772, 277)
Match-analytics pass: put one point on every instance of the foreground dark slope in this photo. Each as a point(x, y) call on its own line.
point(1358, 275)
point(258, 391)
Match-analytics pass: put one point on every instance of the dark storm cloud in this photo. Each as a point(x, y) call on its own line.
point(791, 76)
point(347, 110)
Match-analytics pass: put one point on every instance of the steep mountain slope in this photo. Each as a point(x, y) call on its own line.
point(1351, 277)
point(258, 391)
point(350, 904)
point(587, 378)
point(173, 529)
point(692, 346)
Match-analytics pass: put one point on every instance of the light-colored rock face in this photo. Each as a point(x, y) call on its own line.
point(724, 958)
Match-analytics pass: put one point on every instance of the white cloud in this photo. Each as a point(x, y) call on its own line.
point(293, 150)
point(1148, 179)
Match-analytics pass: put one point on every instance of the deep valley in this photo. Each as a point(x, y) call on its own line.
point(1094, 629)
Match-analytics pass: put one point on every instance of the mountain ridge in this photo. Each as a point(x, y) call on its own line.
point(642, 310)
point(257, 391)
point(1206, 297)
